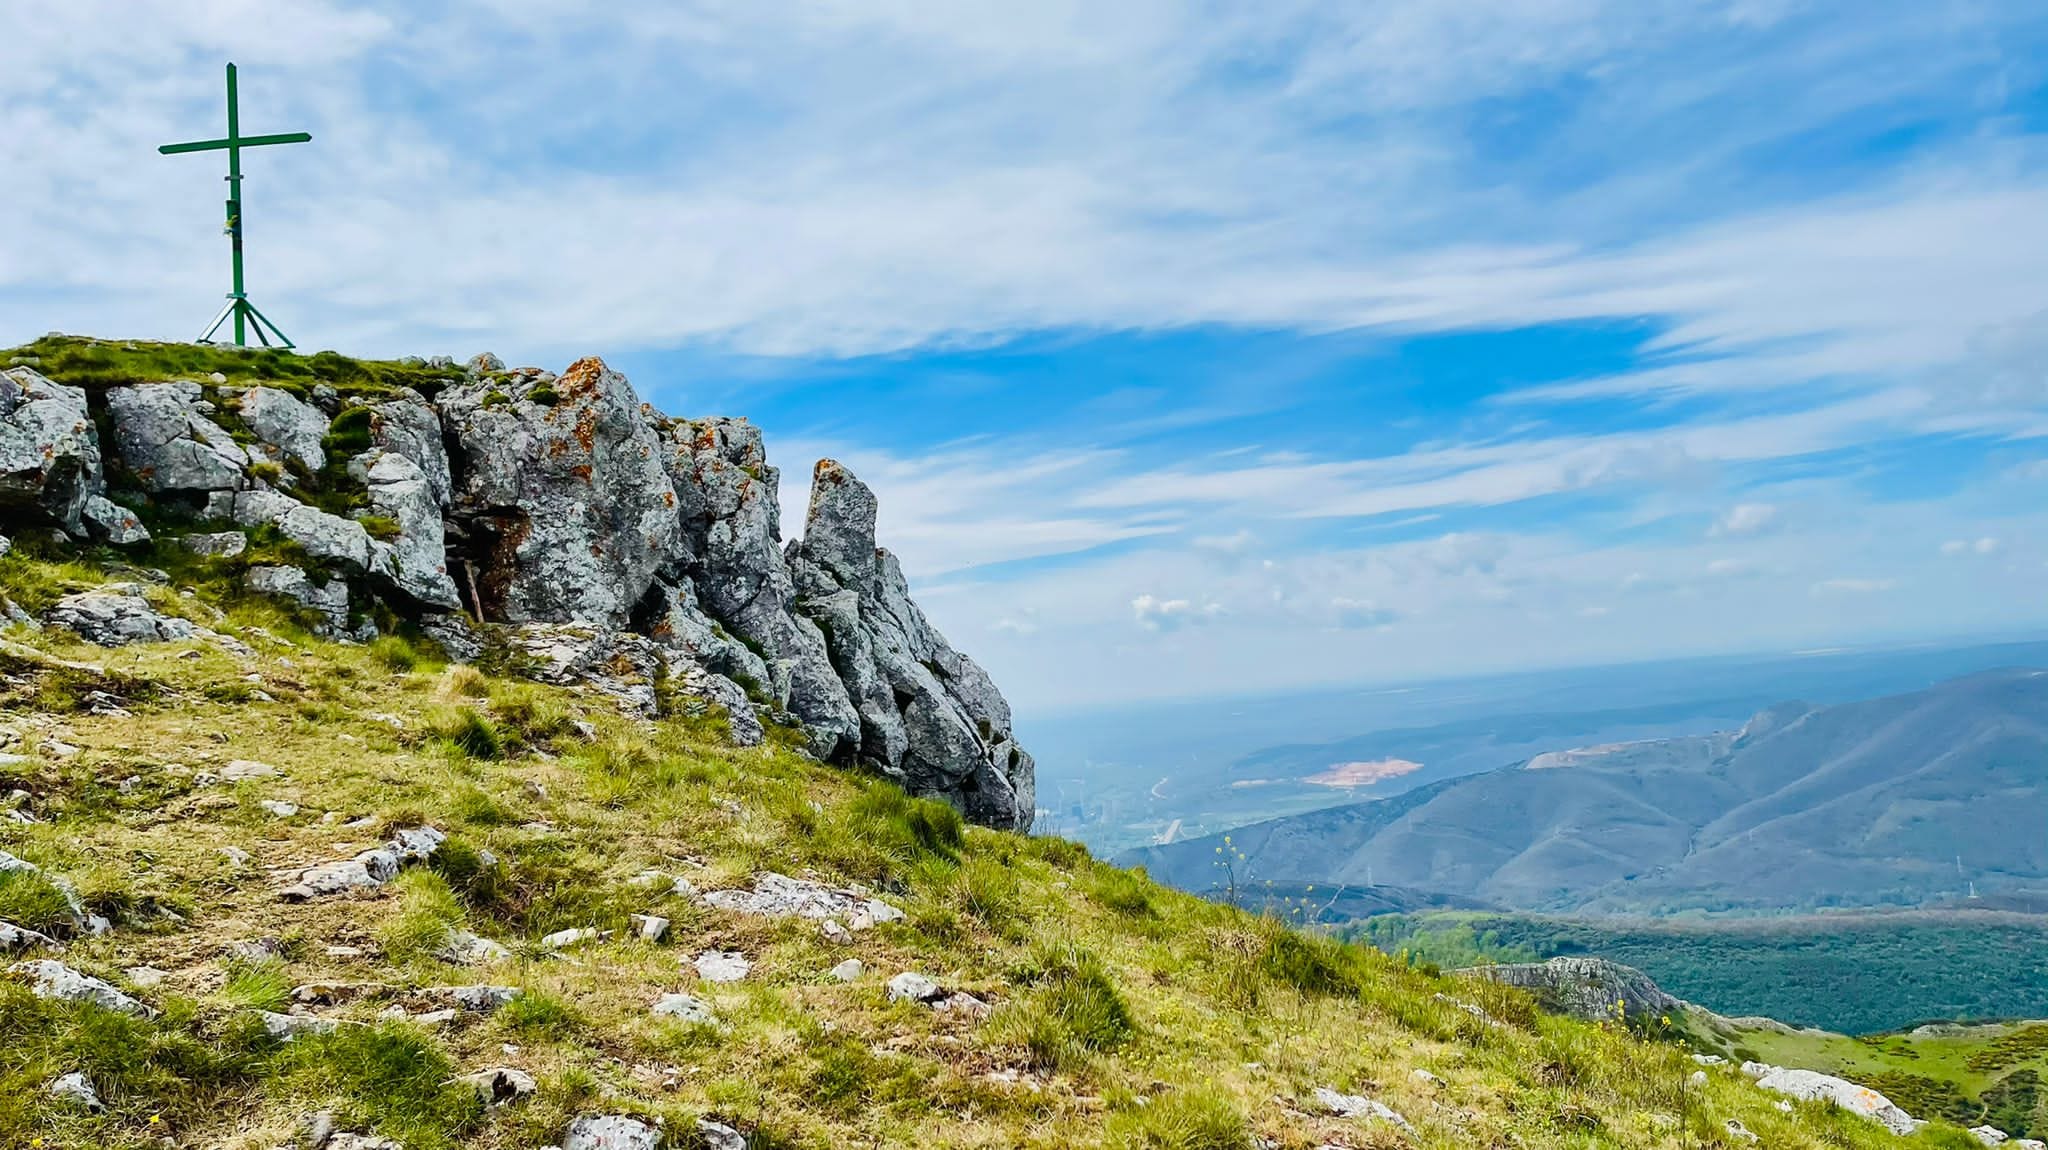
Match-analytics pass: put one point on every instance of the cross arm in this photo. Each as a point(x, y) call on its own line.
point(239, 141)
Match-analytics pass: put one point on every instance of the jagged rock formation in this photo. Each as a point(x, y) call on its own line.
point(554, 517)
point(1583, 987)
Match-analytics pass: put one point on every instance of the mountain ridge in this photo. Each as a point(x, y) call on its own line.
point(1866, 801)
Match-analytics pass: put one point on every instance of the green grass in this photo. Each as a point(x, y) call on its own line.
point(1125, 1014)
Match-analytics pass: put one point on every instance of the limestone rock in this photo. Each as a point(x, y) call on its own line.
point(416, 562)
point(1358, 1106)
point(116, 614)
point(13, 938)
point(288, 428)
point(49, 450)
point(911, 986)
point(481, 999)
point(686, 1007)
point(168, 443)
point(731, 533)
point(849, 971)
point(1813, 1086)
point(779, 896)
point(328, 600)
point(225, 544)
point(52, 979)
point(501, 1085)
point(410, 427)
point(719, 1136)
point(1989, 1135)
point(290, 1026)
point(322, 536)
point(466, 949)
point(76, 1088)
point(611, 1132)
point(110, 522)
point(929, 716)
point(723, 966)
point(568, 498)
point(1582, 987)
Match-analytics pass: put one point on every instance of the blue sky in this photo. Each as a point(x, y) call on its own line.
point(1192, 348)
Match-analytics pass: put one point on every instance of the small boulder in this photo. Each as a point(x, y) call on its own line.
point(53, 979)
point(1358, 1106)
point(1813, 1086)
point(76, 1088)
point(466, 949)
point(116, 614)
point(913, 987)
point(611, 1132)
point(723, 966)
point(217, 544)
point(49, 450)
point(1989, 1135)
point(110, 522)
point(290, 1026)
point(686, 1007)
point(651, 927)
point(288, 429)
point(779, 896)
point(13, 938)
point(481, 999)
point(501, 1085)
point(849, 971)
point(719, 1136)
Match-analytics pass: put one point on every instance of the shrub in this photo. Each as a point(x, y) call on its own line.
point(1308, 963)
point(1183, 1120)
point(393, 1078)
point(258, 986)
point(394, 653)
point(1074, 1009)
point(1127, 892)
point(470, 731)
point(31, 899)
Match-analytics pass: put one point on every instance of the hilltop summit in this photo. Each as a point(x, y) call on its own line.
point(553, 517)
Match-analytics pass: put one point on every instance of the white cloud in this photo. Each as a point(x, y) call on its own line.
point(1986, 545)
point(1156, 614)
point(1853, 586)
point(1747, 519)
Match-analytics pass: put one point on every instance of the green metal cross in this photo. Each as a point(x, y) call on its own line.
point(238, 305)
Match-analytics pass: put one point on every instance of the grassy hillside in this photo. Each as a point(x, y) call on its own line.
point(1856, 974)
point(1125, 1015)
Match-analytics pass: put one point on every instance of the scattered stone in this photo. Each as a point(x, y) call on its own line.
point(719, 1136)
point(611, 1132)
point(1989, 1135)
point(116, 614)
point(255, 950)
point(1709, 1060)
point(1358, 1106)
point(278, 807)
point(145, 977)
point(834, 932)
point(1426, 1078)
point(349, 1141)
point(290, 1026)
point(241, 770)
point(723, 966)
point(562, 939)
point(76, 1087)
point(1812, 1086)
point(109, 521)
point(686, 1007)
point(53, 979)
point(237, 856)
point(964, 1004)
point(913, 987)
point(329, 993)
point(849, 971)
point(10, 863)
point(651, 927)
point(220, 544)
point(481, 999)
point(1738, 1131)
point(501, 1085)
point(779, 896)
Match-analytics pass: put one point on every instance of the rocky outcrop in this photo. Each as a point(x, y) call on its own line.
point(49, 451)
point(1814, 1086)
point(929, 716)
point(605, 544)
point(169, 443)
point(562, 494)
point(1589, 988)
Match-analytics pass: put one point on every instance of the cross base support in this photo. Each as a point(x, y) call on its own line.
point(246, 317)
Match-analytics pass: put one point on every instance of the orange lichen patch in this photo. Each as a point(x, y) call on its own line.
point(829, 471)
point(582, 376)
point(1362, 774)
point(581, 471)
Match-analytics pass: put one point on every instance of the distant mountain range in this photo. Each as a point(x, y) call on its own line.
point(1901, 801)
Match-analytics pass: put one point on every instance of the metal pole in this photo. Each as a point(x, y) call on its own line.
point(235, 203)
